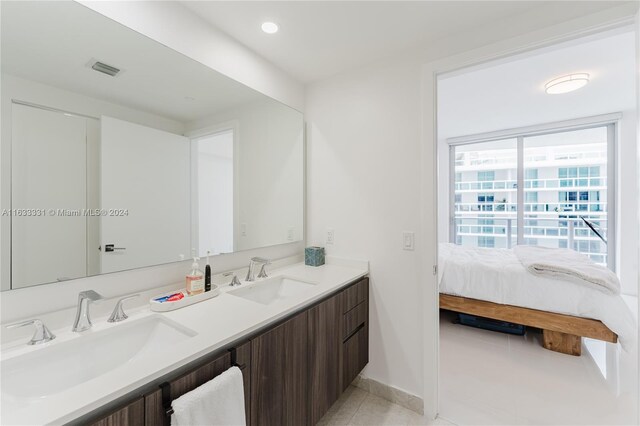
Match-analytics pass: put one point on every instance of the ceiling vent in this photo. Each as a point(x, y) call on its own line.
point(105, 69)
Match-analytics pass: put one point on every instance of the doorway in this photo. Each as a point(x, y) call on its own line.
point(496, 165)
point(215, 195)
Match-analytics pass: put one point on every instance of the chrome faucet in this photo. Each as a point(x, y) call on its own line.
point(251, 273)
point(234, 281)
point(42, 333)
point(83, 320)
point(118, 313)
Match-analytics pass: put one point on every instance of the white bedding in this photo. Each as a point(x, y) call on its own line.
point(496, 275)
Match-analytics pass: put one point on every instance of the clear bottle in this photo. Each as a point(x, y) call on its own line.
point(195, 279)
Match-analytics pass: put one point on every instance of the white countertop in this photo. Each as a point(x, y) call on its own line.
point(219, 322)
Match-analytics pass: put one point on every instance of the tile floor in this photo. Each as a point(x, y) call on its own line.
point(489, 378)
point(493, 378)
point(358, 407)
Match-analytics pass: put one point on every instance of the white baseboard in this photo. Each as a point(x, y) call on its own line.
point(395, 395)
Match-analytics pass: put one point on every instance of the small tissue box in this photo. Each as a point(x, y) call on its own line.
point(314, 256)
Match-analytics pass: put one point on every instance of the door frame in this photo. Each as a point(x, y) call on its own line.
point(194, 136)
point(590, 25)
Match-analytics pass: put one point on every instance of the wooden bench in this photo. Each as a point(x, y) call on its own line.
point(560, 333)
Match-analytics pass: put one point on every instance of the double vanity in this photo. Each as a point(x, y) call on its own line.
point(300, 337)
point(144, 169)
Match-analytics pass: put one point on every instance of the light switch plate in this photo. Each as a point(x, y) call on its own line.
point(408, 240)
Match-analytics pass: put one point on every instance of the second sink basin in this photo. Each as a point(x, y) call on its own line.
point(62, 365)
point(273, 290)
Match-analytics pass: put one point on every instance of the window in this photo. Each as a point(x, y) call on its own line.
point(486, 178)
point(488, 242)
point(530, 201)
point(485, 193)
point(488, 228)
point(565, 176)
point(531, 178)
point(486, 201)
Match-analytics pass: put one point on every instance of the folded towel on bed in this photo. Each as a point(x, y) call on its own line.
point(568, 265)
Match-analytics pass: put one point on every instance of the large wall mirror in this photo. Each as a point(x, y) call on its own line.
point(120, 153)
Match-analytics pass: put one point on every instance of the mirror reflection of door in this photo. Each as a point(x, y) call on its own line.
point(145, 173)
point(214, 225)
point(52, 149)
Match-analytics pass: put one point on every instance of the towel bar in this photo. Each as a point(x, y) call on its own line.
point(166, 402)
point(166, 391)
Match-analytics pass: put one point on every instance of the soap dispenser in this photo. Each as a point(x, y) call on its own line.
point(207, 275)
point(195, 279)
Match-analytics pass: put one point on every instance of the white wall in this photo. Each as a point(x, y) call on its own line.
point(180, 29)
point(363, 181)
point(637, 25)
point(627, 201)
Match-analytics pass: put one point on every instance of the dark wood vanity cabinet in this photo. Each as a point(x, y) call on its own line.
point(355, 331)
point(324, 333)
point(300, 368)
point(293, 372)
point(279, 367)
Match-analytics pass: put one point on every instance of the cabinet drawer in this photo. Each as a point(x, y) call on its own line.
point(355, 295)
point(353, 319)
point(355, 355)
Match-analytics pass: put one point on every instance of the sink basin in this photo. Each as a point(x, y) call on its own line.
point(62, 365)
point(273, 290)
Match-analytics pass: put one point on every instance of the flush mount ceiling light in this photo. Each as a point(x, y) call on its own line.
point(566, 83)
point(270, 27)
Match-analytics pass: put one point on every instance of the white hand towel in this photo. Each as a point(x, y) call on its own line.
point(220, 401)
point(565, 264)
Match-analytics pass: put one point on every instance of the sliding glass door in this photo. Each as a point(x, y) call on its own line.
point(565, 191)
point(485, 194)
point(552, 188)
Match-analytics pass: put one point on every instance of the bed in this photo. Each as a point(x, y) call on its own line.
point(493, 283)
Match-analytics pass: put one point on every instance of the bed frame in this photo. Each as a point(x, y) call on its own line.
point(560, 333)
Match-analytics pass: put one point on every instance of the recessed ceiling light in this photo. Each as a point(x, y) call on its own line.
point(566, 83)
point(270, 27)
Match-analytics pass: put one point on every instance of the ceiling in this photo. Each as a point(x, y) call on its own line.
point(510, 93)
point(318, 39)
point(58, 52)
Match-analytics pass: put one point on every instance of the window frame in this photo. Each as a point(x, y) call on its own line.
point(610, 121)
